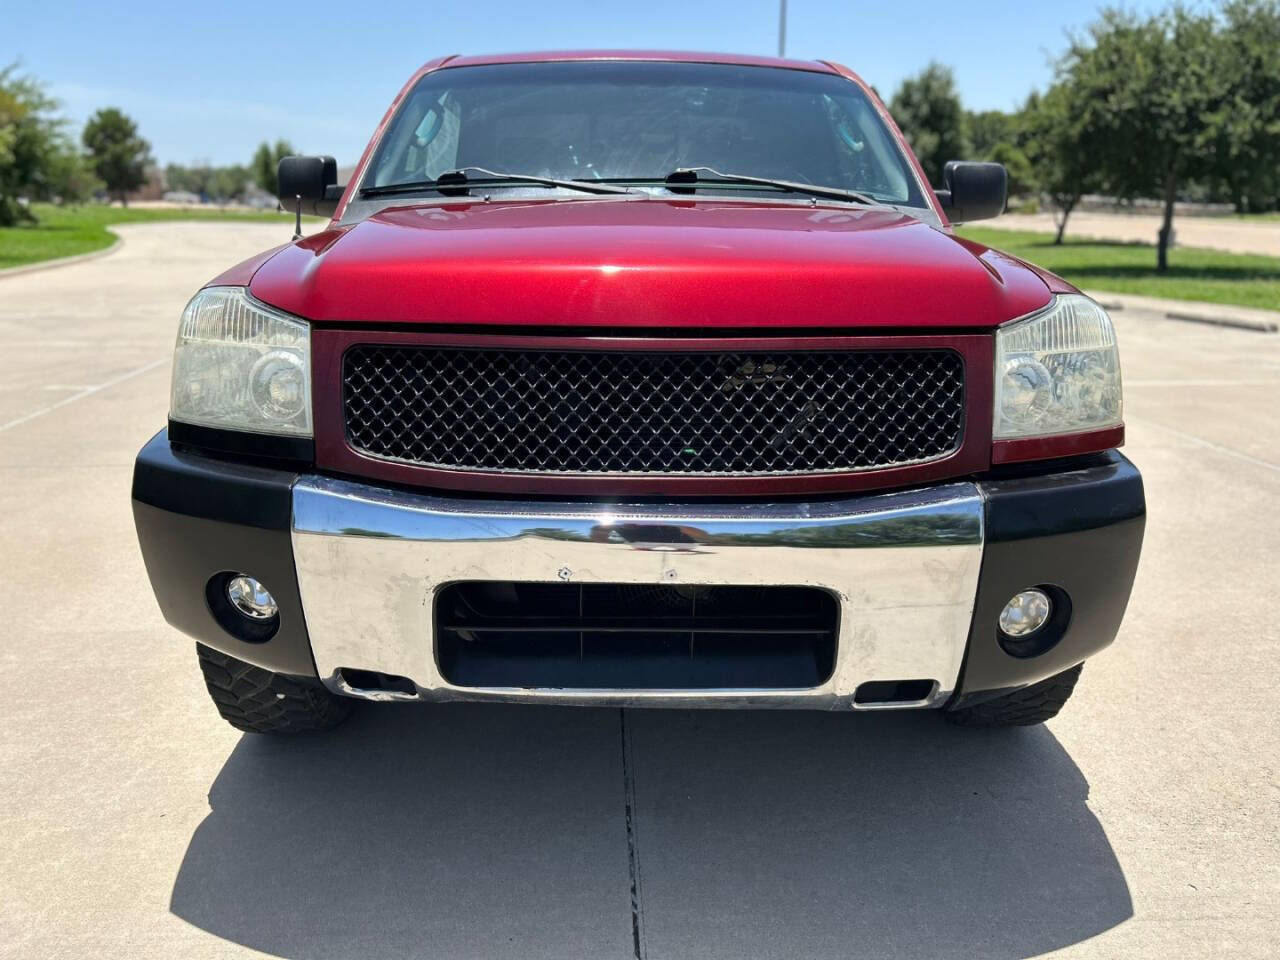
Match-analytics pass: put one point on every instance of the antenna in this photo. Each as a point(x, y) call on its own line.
point(782, 28)
point(297, 211)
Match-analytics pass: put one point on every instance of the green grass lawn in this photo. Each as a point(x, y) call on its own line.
point(65, 232)
point(1207, 275)
point(1246, 280)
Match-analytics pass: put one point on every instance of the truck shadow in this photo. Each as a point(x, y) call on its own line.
point(492, 831)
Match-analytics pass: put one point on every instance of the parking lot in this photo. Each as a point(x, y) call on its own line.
point(1143, 822)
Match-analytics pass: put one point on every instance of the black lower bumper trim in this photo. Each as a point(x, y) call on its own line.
point(267, 449)
point(198, 517)
point(1079, 531)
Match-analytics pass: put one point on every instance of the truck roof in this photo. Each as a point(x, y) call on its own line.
point(673, 56)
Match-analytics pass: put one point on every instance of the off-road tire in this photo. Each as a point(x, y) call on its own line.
point(1034, 704)
point(259, 701)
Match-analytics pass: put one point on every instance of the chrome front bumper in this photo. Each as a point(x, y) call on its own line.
point(904, 566)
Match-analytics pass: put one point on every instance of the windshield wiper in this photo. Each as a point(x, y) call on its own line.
point(457, 182)
point(688, 178)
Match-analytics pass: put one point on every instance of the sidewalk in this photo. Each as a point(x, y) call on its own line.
point(1217, 314)
point(1210, 233)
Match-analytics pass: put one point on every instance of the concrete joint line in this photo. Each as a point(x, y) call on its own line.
point(1210, 445)
point(1236, 323)
point(87, 392)
point(638, 946)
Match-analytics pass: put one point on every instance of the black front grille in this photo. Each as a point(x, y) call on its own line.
point(589, 412)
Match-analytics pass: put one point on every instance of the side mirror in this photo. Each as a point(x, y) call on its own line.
point(311, 182)
point(973, 191)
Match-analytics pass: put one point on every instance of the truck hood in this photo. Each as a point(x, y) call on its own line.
point(640, 262)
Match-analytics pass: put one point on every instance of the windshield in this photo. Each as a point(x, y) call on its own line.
point(639, 121)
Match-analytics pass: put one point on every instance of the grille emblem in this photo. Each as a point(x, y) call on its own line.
point(756, 374)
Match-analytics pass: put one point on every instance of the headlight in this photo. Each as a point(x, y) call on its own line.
point(241, 365)
point(1057, 372)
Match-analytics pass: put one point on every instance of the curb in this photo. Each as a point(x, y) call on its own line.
point(1257, 326)
point(64, 261)
point(1211, 315)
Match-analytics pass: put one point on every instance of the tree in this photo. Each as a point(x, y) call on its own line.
point(928, 110)
point(228, 183)
point(118, 155)
point(31, 143)
point(220, 184)
point(999, 137)
point(988, 129)
point(69, 177)
point(179, 177)
point(266, 159)
point(1248, 124)
point(1063, 146)
point(1022, 178)
point(1150, 88)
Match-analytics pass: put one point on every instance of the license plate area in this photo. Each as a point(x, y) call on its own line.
point(601, 636)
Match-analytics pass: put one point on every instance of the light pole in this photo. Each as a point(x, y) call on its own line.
point(782, 28)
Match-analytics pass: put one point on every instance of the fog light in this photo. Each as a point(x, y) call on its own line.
point(253, 600)
point(1025, 613)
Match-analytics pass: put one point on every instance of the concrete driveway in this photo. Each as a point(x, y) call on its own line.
point(1143, 822)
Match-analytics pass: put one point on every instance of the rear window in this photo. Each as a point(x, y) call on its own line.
point(630, 121)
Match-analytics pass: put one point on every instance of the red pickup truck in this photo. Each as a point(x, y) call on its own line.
point(640, 379)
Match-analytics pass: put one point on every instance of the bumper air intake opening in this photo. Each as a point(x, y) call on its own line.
point(635, 636)
point(888, 692)
point(370, 683)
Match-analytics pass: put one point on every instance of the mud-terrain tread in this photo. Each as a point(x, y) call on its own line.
point(259, 701)
point(1030, 705)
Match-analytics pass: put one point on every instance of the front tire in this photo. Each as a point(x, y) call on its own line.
point(259, 701)
point(1022, 708)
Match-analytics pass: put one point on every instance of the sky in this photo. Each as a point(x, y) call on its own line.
point(207, 82)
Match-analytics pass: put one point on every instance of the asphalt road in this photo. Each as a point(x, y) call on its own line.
point(1143, 822)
